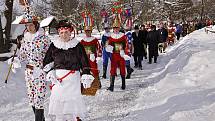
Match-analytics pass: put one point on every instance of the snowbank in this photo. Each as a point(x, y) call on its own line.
point(180, 87)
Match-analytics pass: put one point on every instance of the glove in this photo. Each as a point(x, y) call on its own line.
point(48, 67)
point(92, 57)
point(37, 72)
point(98, 60)
point(51, 77)
point(109, 48)
point(15, 64)
point(87, 80)
point(122, 53)
point(126, 57)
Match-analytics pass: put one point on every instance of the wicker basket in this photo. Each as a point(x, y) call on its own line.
point(93, 89)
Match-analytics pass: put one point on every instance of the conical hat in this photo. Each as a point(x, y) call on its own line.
point(117, 21)
point(117, 10)
point(88, 20)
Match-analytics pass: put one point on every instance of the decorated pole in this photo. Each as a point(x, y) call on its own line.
point(11, 65)
point(25, 3)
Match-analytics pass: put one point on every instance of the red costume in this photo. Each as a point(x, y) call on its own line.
point(93, 50)
point(118, 46)
point(119, 42)
point(171, 34)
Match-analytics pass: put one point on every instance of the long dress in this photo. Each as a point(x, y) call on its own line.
point(32, 53)
point(69, 58)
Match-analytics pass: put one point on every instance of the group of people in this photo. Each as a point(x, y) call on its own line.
point(71, 65)
point(68, 65)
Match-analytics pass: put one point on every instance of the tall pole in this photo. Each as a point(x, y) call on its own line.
point(1, 32)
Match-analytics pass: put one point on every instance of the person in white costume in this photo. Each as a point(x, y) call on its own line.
point(32, 52)
point(69, 65)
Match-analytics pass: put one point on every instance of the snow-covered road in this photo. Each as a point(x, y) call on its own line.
point(180, 87)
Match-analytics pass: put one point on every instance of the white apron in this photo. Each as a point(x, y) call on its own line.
point(66, 101)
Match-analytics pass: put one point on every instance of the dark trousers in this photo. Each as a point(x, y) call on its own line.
point(150, 59)
point(145, 51)
point(39, 114)
point(138, 60)
point(178, 35)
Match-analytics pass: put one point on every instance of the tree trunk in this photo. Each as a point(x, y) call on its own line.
point(1, 38)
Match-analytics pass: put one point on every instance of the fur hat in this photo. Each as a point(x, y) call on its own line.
point(64, 24)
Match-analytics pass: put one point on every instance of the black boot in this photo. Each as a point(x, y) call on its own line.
point(104, 71)
point(129, 71)
point(78, 119)
point(112, 79)
point(135, 65)
point(150, 60)
point(123, 82)
point(33, 109)
point(39, 115)
point(100, 84)
point(155, 59)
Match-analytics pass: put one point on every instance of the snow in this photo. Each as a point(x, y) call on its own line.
point(180, 87)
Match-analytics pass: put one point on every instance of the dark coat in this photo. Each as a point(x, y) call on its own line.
point(72, 59)
point(153, 39)
point(143, 35)
point(163, 35)
point(138, 42)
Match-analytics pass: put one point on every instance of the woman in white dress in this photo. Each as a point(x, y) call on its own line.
point(67, 60)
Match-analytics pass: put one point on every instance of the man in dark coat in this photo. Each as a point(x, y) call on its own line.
point(138, 47)
point(163, 37)
point(143, 33)
point(153, 39)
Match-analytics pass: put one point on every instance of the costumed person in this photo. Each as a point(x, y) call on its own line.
point(34, 45)
point(130, 45)
point(68, 69)
point(128, 33)
point(163, 38)
point(93, 50)
point(191, 27)
point(118, 46)
point(106, 55)
point(178, 31)
point(143, 33)
point(153, 38)
point(184, 29)
point(104, 15)
point(171, 34)
point(138, 44)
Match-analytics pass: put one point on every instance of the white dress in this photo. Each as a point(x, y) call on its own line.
point(66, 102)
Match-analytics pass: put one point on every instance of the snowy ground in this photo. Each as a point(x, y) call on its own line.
point(180, 87)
